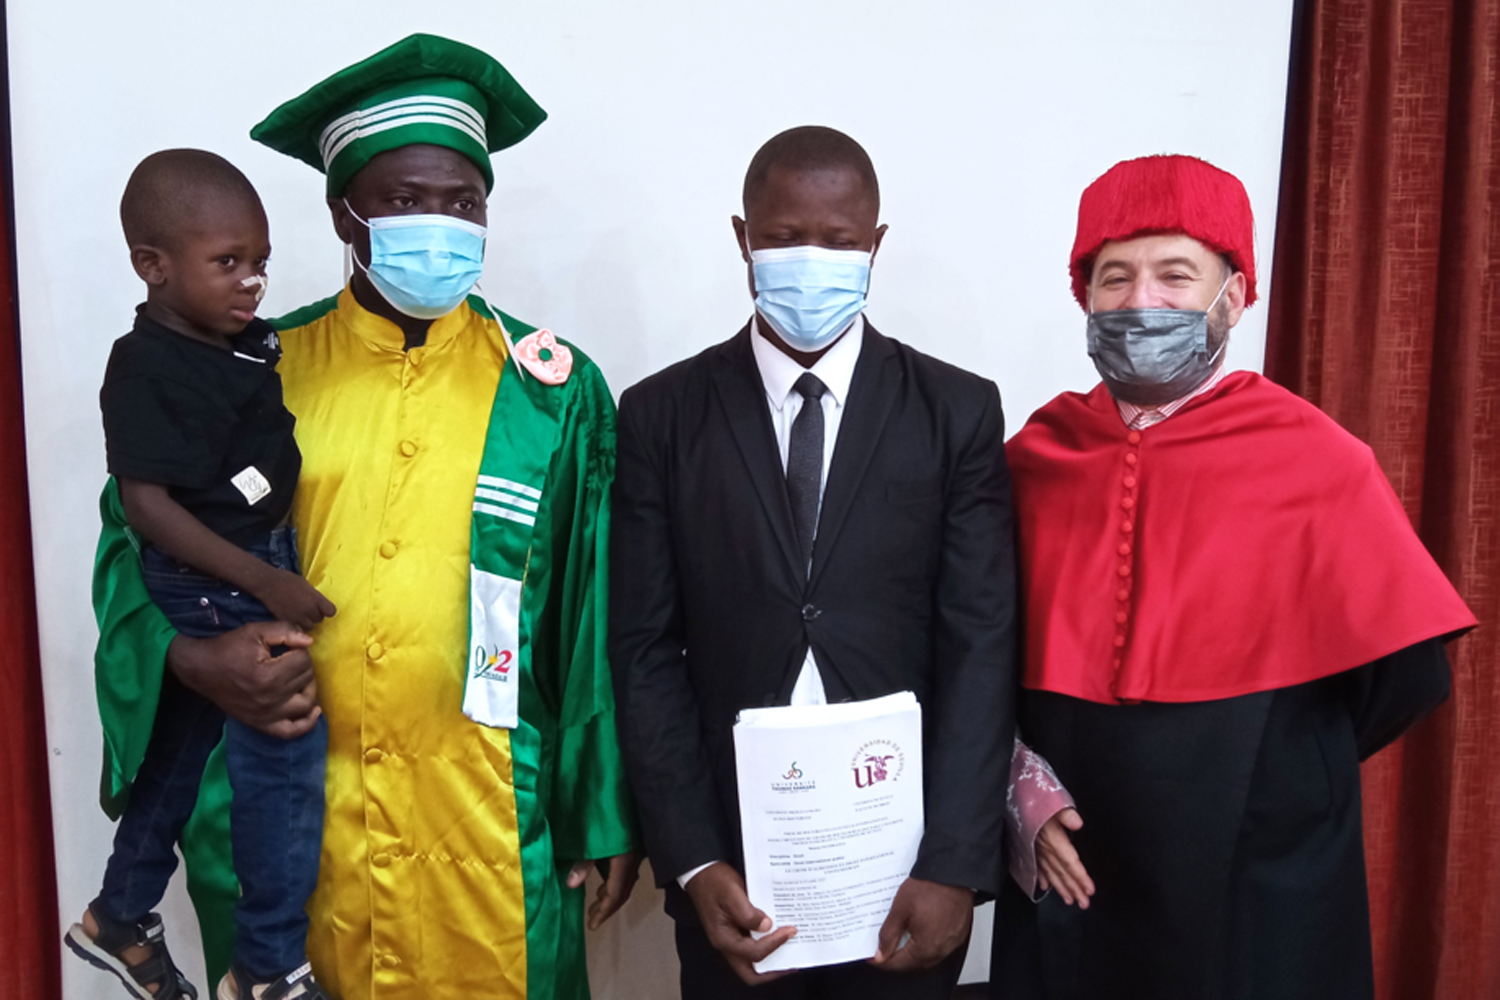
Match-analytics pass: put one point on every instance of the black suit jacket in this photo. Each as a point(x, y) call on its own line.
point(912, 586)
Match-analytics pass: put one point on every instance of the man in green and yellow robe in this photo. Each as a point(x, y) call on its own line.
point(456, 472)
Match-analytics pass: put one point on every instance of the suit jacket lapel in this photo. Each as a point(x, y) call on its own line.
point(877, 377)
point(743, 396)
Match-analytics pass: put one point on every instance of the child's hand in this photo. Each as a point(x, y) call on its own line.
point(295, 601)
point(1058, 864)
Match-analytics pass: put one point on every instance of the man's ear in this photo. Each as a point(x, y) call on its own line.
point(741, 236)
point(151, 264)
point(343, 219)
point(879, 235)
point(1234, 298)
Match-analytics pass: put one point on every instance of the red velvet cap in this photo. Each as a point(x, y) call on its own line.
point(1165, 194)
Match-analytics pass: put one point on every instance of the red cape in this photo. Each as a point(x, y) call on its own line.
point(1244, 544)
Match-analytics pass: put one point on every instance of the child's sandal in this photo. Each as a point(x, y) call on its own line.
point(298, 984)
point(102, 952)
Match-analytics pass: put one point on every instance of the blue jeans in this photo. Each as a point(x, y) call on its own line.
point(276, 815)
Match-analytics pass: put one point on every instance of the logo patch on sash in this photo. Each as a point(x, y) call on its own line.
point(492, 666)
point(491, 692)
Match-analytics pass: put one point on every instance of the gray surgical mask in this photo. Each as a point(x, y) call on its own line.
point(1152, 356)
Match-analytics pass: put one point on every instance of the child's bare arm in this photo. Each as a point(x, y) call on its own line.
point(164, 522)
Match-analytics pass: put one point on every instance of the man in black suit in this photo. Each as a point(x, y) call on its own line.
point(739, 580)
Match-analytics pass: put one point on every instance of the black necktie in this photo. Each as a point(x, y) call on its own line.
point(804, 463)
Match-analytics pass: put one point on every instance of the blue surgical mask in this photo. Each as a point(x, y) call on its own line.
point(424, 265)
point(1148, 357)
point(810, 295)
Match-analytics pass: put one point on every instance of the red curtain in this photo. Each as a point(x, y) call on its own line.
point(1385, 312)
point(28, 887)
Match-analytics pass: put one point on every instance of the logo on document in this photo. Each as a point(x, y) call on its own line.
point(794, 780)
point(877, 761)
point(492, 666)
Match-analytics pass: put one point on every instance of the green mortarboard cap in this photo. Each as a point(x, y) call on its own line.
point(423, 89)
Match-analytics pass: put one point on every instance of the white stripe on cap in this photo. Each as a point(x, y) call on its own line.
point(459, 107)
point(427, 103)
point(419, 109)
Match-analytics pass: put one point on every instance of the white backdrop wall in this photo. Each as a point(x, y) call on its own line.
point(610, 225)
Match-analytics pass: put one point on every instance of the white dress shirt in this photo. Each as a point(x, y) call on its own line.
point(778, 374)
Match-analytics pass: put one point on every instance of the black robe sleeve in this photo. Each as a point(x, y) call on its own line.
point(1388, 696)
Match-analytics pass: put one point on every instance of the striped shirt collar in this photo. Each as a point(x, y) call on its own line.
point(1138, 418)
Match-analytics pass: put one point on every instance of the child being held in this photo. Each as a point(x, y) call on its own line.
point(201, 444)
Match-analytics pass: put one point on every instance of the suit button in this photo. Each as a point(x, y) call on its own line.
point(387, 550)
point(375, 650)
point(408, 448)
point(1131, 459)
point(1134, 437)
point(809, 612)
point(381, 860)
point(373, 756)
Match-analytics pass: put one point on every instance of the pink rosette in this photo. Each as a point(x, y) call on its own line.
point(544, 357)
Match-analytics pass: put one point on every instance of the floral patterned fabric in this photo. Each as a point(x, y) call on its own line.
point(1033, 797)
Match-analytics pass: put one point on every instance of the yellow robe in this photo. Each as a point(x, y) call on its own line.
point(445, 842)
point(420, 894)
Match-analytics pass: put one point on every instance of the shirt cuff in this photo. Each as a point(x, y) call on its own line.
point(686, 877)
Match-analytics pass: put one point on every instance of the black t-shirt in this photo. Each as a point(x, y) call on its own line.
point(207, 423)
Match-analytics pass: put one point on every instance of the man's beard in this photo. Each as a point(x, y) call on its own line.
point(1218, 328)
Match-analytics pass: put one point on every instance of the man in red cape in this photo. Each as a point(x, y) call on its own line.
point(1227, 610)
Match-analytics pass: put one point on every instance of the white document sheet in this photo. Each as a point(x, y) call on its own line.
point(831, 815)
